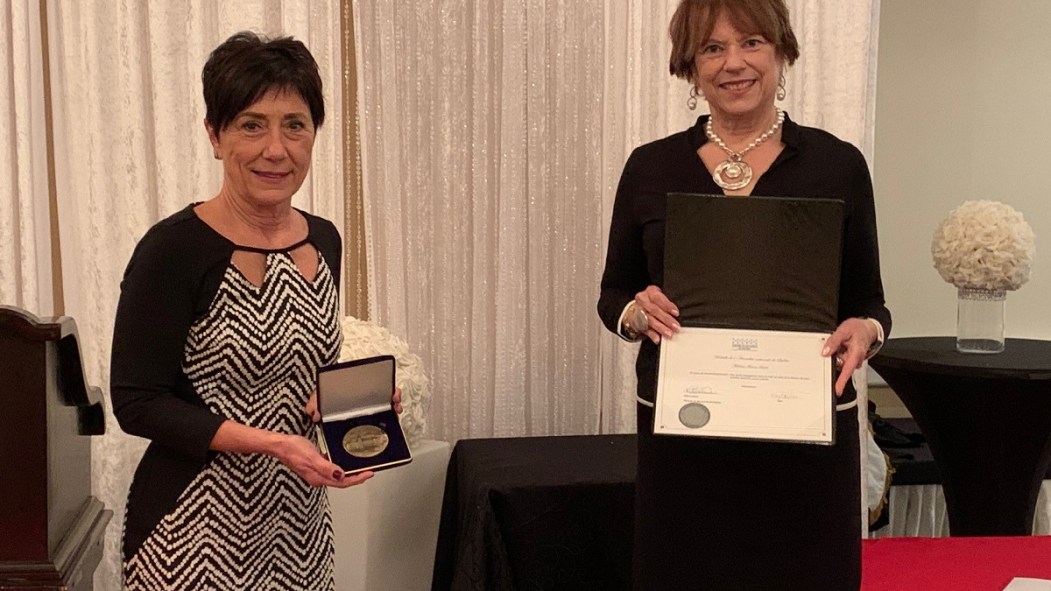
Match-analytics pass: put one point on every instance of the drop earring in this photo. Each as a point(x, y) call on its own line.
point(691, 103)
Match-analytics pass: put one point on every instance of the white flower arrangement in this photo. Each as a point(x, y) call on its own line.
point(363, 339)
point(984, 245)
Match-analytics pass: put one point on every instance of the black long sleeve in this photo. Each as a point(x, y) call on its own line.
point(170, 281)
point(173, 271)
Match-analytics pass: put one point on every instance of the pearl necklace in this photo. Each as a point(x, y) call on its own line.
point(735, 173)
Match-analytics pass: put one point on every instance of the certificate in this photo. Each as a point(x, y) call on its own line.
point(745, 384)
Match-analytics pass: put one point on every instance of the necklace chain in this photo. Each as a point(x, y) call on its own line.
point(735, 173)
point(710, 132)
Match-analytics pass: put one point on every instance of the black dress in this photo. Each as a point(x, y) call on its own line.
point(196, 343)
point(717, 514)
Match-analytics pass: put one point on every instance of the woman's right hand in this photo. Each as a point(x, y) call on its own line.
point(311, 409)
point(303, 458)
point(661, 313)
point(295, 451)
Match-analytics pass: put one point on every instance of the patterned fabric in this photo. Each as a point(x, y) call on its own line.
point(247, 521)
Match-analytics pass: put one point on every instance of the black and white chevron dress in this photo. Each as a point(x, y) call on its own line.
point(245, 521)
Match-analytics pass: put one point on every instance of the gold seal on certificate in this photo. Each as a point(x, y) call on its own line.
point(365, 441)
point(694, 415)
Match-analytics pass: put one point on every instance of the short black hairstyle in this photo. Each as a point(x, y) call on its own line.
point(247, 66)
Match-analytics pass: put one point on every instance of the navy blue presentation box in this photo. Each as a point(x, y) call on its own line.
point(359, 430)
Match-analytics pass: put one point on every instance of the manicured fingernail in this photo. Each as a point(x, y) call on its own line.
point(338, 475)
point(824, 351)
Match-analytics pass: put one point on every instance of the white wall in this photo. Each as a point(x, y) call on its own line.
point(962, 112)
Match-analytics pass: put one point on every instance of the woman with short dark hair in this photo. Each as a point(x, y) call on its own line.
point(719, 514)
point(227, 310)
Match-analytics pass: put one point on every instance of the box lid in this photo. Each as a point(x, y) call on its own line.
point(351, 388)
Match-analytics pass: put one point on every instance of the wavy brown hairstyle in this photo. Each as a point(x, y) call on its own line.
point(694, 20)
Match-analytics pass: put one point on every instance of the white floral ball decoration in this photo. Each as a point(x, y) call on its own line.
point(363, 339)
point(984, 245)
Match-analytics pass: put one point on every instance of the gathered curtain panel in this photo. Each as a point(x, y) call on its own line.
point(491, 133)
point(25, 226)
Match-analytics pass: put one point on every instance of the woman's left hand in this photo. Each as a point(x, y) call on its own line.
point(311, 407)
point(850, 344)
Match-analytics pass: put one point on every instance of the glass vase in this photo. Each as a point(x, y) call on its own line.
point(980, 320)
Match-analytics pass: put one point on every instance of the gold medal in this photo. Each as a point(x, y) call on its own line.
point(365, 441)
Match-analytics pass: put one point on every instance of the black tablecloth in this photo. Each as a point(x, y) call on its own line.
point(538, 513)
point(556, 512)
point(987, 419)
point(1021, 359)
point(910, 456)
point(914, 464)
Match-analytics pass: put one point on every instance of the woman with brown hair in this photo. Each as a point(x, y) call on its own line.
point(714, 513)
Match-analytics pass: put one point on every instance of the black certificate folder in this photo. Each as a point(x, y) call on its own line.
point(359, 429)
point(760, 263)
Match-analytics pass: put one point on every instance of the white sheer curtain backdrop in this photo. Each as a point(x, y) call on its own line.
point(493, 136)
point(918, 510)
point(25, 238)
point(131, 149)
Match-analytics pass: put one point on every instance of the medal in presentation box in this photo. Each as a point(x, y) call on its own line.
point(359, 430)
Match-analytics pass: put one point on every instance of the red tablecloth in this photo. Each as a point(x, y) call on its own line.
point(953, 564)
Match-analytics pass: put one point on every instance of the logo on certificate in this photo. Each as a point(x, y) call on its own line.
point(744, 343)
point(694, 415)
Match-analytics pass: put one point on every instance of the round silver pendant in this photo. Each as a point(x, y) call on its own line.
point(733, 175)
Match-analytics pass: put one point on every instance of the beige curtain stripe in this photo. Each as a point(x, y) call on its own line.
point(355, 282)
point(57, 295)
